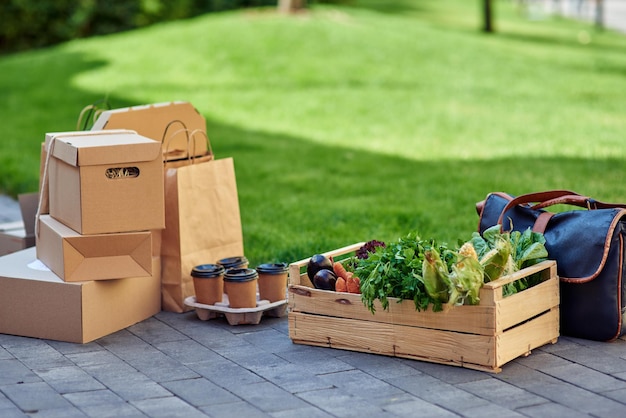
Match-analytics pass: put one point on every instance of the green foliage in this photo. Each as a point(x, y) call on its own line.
point(395, 271)
point(35, 23)
point(349, 123)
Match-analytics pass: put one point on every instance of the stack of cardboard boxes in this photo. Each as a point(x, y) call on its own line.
point(94, 269)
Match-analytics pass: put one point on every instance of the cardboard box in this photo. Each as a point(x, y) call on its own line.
point(35, 302)
point(17, 235)
point(75, 257)
point(169, 123)
point(105, 182)
point(14, 239)
point(483, 337)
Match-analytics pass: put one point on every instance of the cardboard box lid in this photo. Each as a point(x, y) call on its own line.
point(103, 147)
point(163, 122)
point(76, 257)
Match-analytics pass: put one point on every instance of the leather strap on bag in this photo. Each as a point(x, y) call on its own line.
point(554, 197)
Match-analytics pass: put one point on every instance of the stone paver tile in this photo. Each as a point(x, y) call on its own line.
point(246, 355)
point(92, 358)
point(586, 378)
point(446, 373)
point(13, 412)
point(617, 395)
point(113, 410)
point(226, 374)
point(360, 384)
point(551, 410)
point(93, 398)
point(200, 392)
point(335, 402)
point(238, 409)
point(67, 412)
point(8, 408)
point(314, 362)
point(69, 379)
point(502, 393)
point(306, 412)
point(133, 386)
point(162, 368)
point(524, 377)
point(589, 357)
point(154, 331)
point(73, 348)
point(12, 371)
point(412, 406)
point(292, 378)
point(576, 398)
point(439, 393)
point(490, 411)
point(31, 397)
point(268, 340)
point(188, 352)
point(541, 360)
point(382, 367)
point(170, 407)
point(268, 397)
point(37, 354)
point(564, 343)
point(5, 355)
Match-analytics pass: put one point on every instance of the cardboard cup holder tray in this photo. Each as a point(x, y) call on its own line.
point(238, 316)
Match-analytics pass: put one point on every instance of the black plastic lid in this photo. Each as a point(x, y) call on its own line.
point(273, 268)
point(207, 271)
point(233, 262)
point(240, 275)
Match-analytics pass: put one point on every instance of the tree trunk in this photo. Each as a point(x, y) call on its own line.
point(600, 14)
point(291, 6)
point(488, 16)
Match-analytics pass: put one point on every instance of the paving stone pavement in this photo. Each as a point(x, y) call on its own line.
point(175, 365)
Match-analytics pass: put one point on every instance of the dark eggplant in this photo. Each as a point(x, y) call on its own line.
point(316, 263)
point(325, 280)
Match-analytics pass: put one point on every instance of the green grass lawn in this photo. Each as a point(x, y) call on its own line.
point(351, 123)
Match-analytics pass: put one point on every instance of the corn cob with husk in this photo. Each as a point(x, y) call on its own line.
point(497, 261)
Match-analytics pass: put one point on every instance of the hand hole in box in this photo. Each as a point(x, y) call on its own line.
point(121, 172)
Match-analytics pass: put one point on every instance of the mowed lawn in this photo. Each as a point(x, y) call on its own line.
point(355, 122)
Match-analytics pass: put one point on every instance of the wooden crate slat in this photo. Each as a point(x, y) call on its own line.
point(522, 339)
point(435, 346)
point(471, 319)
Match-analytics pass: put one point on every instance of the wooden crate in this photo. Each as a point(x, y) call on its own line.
point(483, 337)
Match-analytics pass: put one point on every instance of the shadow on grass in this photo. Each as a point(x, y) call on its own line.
point(298, 197)
point(390, 6)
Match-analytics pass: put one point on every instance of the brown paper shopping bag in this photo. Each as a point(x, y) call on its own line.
point(202, 224)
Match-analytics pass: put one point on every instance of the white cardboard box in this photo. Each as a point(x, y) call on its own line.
point(34, 302)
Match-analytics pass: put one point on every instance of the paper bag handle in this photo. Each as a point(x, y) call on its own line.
point(208, 142)
point(166, 140)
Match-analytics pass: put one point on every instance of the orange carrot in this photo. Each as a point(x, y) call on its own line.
point(340, 270)
point(340, 285)
point(353, 284)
